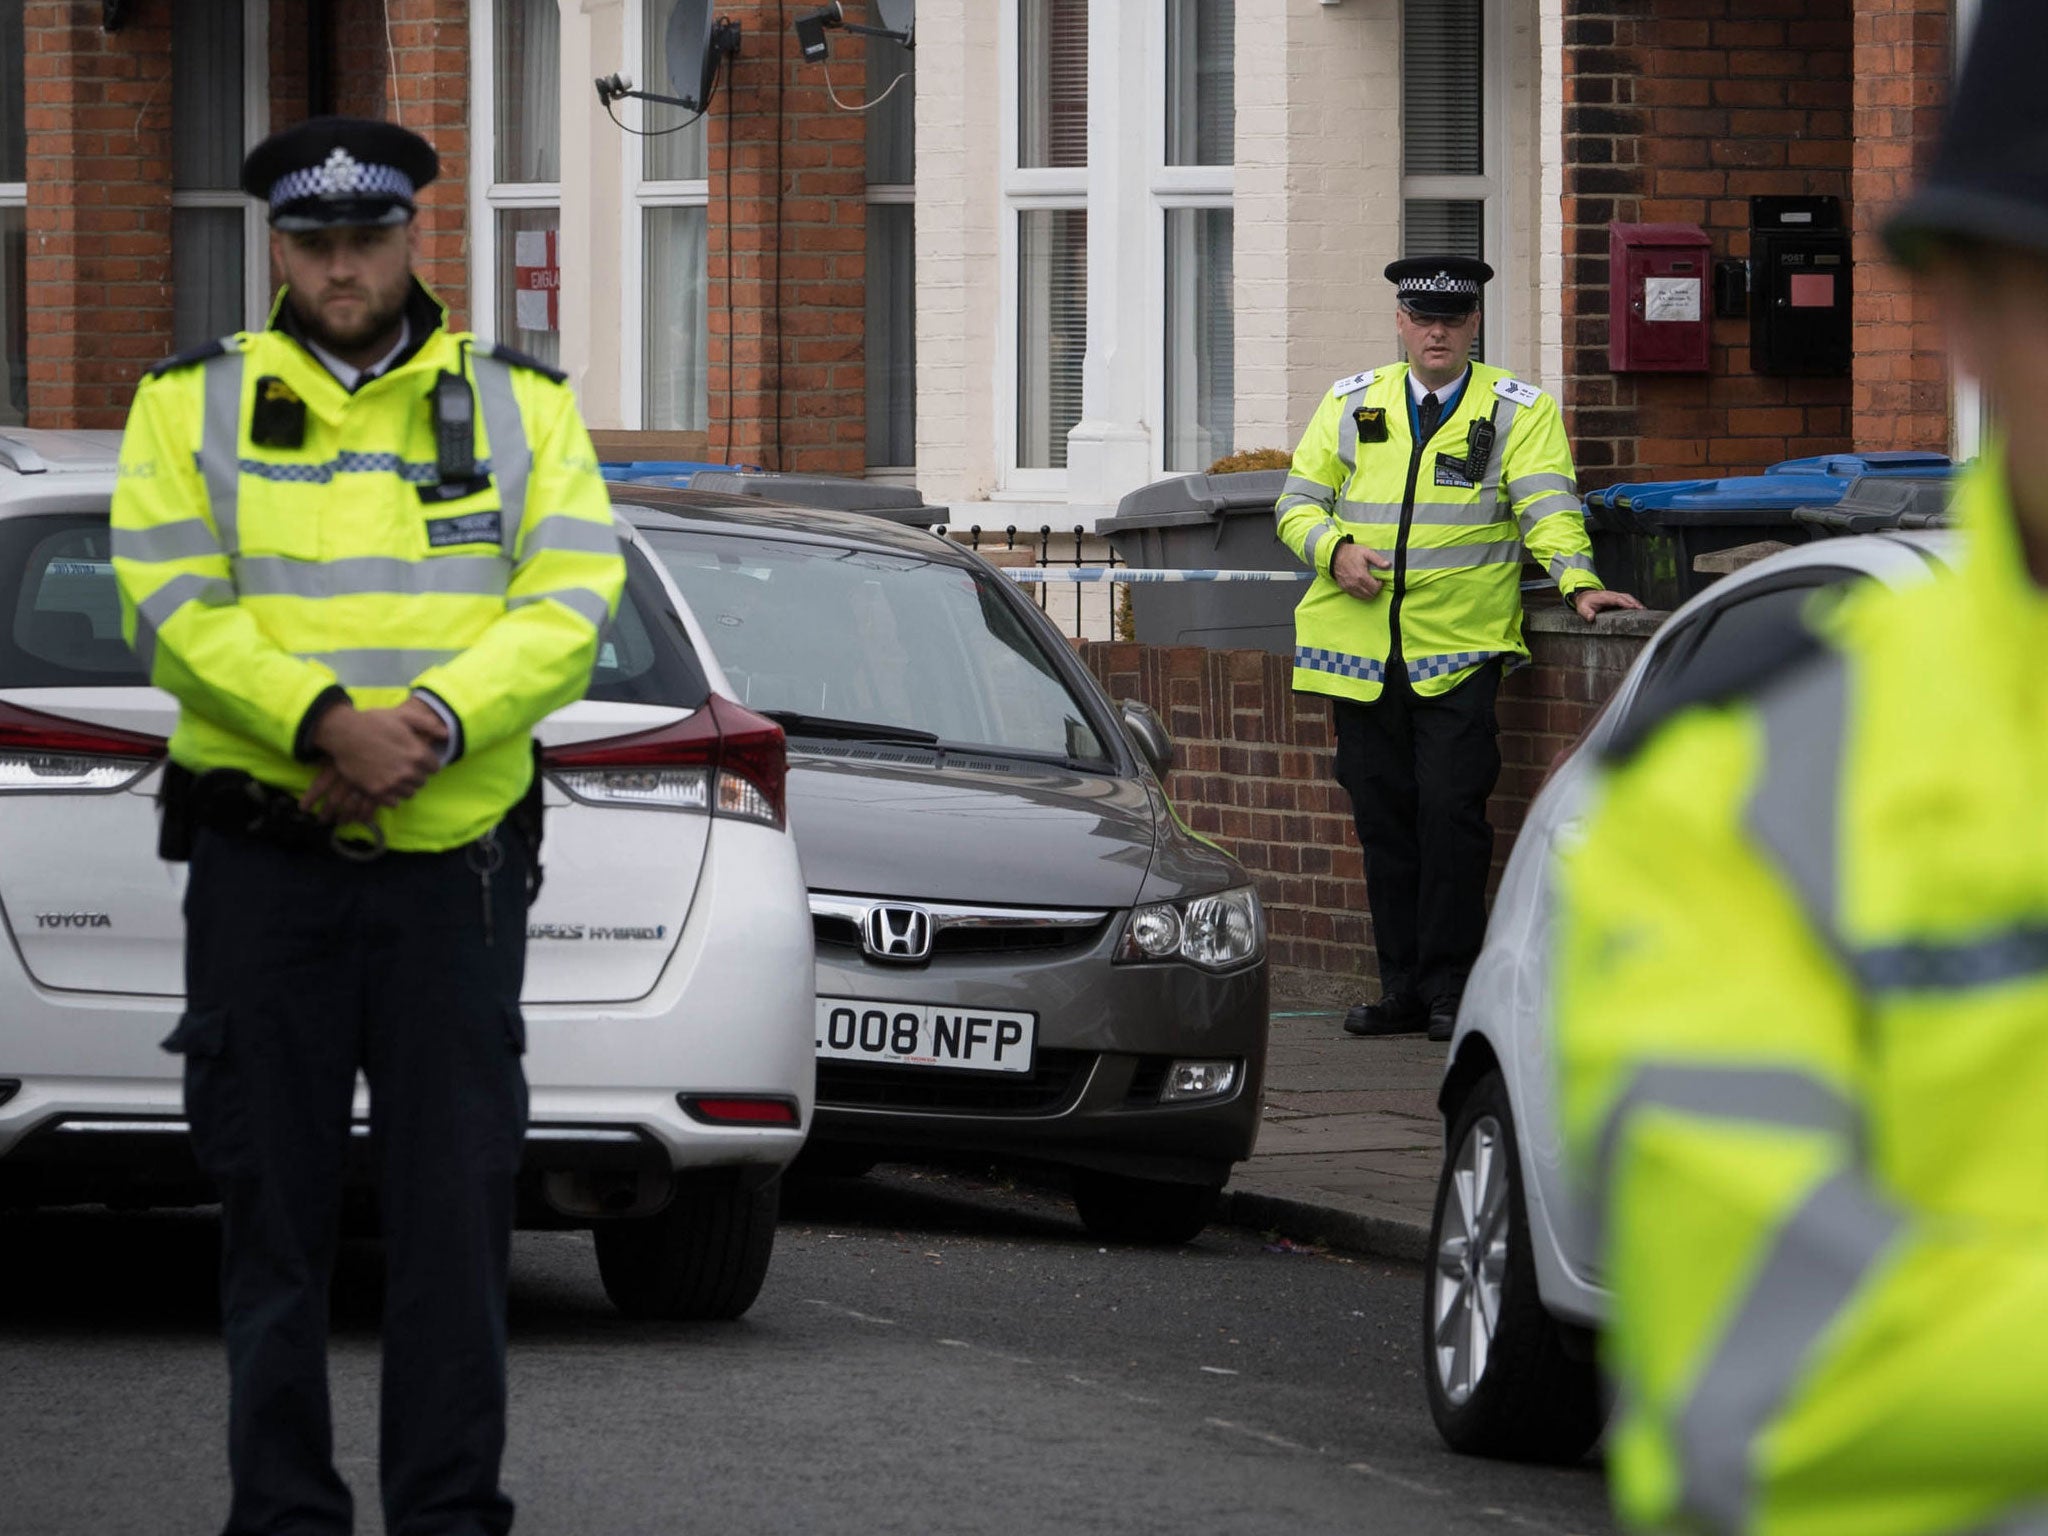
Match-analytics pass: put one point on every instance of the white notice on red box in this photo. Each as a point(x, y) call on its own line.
point(1671, 298)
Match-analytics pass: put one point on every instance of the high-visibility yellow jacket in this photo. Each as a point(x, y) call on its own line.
point(1457, 527)
point(1803, 1016)
point(256, 577)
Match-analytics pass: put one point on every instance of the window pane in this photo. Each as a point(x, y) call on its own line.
point(527, 55)
point(678, 356)
point(1052, 85)
point(677, 155)
point(206, 274)
point(892, 335)
point(13, 317)
point(529, 281)
point(1052, 331)
point(1200, 337)
point(1443, 227)
point(892, 160)
point(1443, 116)
point(206, 98)
point(13, 102)
point(1201, 82)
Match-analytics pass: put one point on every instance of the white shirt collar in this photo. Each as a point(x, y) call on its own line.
point(350, 376)
point(1422, 392)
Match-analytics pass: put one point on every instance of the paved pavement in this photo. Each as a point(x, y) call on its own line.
point(1349, 1150)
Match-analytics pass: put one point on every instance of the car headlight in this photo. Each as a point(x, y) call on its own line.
point(1215, 932)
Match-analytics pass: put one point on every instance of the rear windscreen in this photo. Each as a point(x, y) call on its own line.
point(64, 624)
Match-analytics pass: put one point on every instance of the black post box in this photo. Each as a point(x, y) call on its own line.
point(1799, 312)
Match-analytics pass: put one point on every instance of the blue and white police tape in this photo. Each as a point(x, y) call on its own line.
point(1124, 573)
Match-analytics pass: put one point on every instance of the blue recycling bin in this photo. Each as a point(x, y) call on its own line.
point(1646, 535)
point(678, 472)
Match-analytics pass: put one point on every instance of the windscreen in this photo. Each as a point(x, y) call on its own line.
point(875, 636)
point(63, 627)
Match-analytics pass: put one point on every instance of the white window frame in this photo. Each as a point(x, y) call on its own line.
point(1504, 321)
point(256, 285)
point(489, 197)
point(643, 194)
point(1024, 190)
point(1171, 187)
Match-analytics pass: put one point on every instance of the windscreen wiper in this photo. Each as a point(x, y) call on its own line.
point(796, 723)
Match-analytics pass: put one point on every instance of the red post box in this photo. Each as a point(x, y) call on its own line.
point(1658, 316)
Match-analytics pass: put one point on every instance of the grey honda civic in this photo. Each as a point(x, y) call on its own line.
point(1021, 951)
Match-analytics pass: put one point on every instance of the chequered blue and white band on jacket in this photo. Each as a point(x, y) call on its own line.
point(341, 175)
point(1315, 658)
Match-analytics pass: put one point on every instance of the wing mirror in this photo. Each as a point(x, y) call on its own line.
point(1142, 725)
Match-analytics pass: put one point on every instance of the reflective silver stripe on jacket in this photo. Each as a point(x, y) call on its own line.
point(1504, 413)
point(1522, 487)
point(1369, 511)
point(190, 538)
point(368, 668)
point(1559, 564)
point(1818, 1261)
point(1795, 808)
point(1795, 813)
point(155, 610)
point(456, 575)
point(573, 535)
point(578, 600)
point(1300, 491)
point(1777, 1096)
point(1457, 514)
point(1549, 506)
point(1456, 556)
point(511, 457)
point(220, 441)
point(1310, 544)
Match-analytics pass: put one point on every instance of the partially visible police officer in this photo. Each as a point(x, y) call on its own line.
point(366, 554)
point(1804, 1007)
point(1415, 494)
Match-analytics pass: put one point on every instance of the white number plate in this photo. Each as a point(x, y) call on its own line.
point(925, 1034)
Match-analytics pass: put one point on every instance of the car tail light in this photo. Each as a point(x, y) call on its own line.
point(741, 1111)
point(724, 760)
point(43, 754)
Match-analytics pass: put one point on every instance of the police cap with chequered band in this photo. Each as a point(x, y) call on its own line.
point(339, 170)
point(1446, 286)
point(1989, 181)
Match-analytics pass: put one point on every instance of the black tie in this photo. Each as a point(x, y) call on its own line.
point(1431, 411)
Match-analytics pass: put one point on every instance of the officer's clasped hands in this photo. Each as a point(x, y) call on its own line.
point(375, 757)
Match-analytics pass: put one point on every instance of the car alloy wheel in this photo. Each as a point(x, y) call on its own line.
point(1505, 1378)
point(1471, 1261)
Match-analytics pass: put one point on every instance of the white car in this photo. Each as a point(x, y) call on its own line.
point(1513, 1295)
point(668, 979)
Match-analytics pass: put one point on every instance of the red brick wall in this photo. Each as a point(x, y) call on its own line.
point(362, 67)
point(1680, 112)
point(787, 283)
point(1253, 762)
point(1902, 74)
point(429, 43)
point(99, 208)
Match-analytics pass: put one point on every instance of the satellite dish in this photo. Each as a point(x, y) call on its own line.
point(895, 16)
point(693, 46)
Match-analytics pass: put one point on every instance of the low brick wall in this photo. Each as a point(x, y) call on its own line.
point(1253, 762)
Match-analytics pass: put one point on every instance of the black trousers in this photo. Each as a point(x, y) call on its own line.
point(1419, 771)
point(302, 968)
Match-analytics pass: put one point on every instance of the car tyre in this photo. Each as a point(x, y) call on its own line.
point(702, 1257)
point(1502, 1376)
point(1118, 1208)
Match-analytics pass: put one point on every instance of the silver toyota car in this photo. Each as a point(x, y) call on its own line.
point(1021, 952)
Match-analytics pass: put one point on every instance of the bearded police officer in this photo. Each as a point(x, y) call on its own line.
point(1415, 494)
point(366, 554)
point(1804, 1005)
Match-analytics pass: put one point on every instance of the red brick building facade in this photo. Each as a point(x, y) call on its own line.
point(1680, 111)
